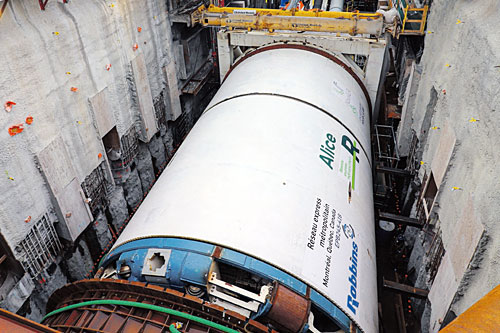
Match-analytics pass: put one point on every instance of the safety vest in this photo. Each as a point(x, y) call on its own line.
point(300, 6)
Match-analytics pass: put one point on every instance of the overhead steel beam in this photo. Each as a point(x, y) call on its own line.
point(405, 289)
point(399, 219)
point(227, 40)
point(352, 23)
point(341, 44)
point(393, 171)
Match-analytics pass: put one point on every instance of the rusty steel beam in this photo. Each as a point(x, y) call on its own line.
point(11, 322)
point(405, 289)
point(399, 219)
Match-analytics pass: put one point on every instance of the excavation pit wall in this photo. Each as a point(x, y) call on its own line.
point(82, 70)
point(453, 110)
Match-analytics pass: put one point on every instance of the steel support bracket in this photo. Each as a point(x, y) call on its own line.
point(405, 289)
point(399, 219)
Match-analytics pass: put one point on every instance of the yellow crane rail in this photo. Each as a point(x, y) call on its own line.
point(295, 20)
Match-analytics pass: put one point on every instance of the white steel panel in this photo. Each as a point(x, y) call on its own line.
point(307, 76)
point(255, 174)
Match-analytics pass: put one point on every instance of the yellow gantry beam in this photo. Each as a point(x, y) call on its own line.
point(276, 19)
point(279, 12)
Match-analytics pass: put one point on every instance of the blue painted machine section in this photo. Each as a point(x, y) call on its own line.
point(159, 243)
point(134, 259)
point(331, 310)
point(183, 268)
point(188, 264)
point(263, 269)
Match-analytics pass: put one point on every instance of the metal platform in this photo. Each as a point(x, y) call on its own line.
point(108, 305)
point(10, 322)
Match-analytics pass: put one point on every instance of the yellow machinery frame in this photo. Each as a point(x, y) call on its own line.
point(404, 8)
point(422, 21)
point(294, 20)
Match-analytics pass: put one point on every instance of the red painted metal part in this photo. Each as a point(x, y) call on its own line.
point(3, 7)
point(44, 3)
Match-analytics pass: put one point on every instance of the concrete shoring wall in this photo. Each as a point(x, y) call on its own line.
point(462, 50)
point(46, 54)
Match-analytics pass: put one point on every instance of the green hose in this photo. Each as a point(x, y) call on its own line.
point(173, 329)
point(148, 307)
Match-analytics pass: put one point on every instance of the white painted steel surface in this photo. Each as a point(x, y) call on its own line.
point(336, 6)
point(254, 174)
point(307, 76)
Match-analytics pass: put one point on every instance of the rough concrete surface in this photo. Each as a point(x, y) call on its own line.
point(79, 264)
point(168, 141)
point(459, 62)
point(101, 228)
point(118, 207)
point(19, 294)
point(39, 299)
point(157, 149)
point(70, 67)
point(145, 167)
point(133, 190)
point(47, 53)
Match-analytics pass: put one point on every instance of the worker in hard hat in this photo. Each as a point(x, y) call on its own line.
point(286, 5)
